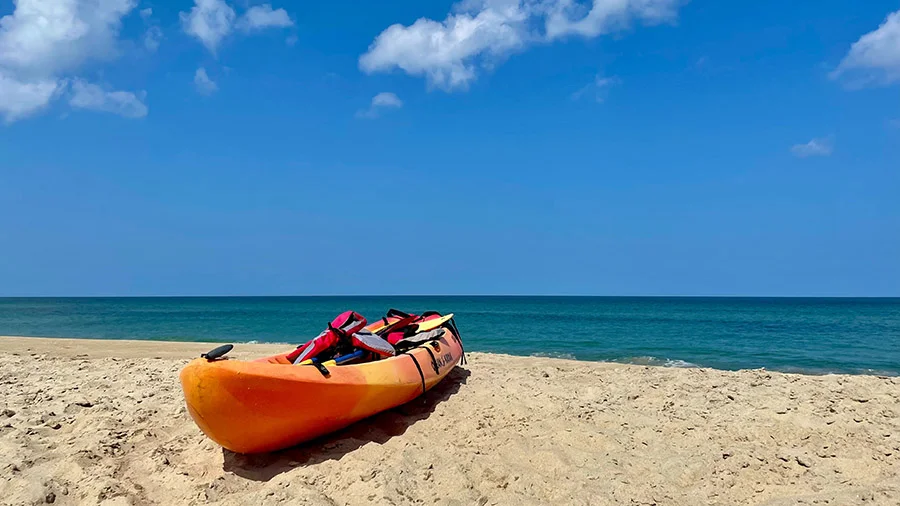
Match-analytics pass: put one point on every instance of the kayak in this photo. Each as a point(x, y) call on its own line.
point(270, 403)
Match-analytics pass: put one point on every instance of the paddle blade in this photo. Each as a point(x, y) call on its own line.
point(434, 323)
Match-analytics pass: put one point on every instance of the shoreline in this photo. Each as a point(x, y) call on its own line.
point(104, 422)
point(142, 348)
point(129, 348)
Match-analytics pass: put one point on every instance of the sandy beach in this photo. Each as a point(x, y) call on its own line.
point(103, 422)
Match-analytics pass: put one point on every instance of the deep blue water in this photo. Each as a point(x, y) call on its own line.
point(809, 335)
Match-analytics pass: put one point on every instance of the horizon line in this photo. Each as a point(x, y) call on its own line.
point(158, 296)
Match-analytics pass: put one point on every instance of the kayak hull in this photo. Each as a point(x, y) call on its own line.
point(270, 404)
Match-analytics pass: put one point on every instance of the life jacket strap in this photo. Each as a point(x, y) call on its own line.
point(396, 312)
point(322, 369)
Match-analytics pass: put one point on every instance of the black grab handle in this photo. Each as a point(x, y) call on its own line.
point(217, 352)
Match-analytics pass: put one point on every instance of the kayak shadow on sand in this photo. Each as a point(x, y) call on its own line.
point(377, 428)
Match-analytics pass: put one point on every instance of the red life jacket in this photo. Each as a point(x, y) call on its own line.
point(339, 331)
point(372, 342)
point(405, 327)
point(391, 332)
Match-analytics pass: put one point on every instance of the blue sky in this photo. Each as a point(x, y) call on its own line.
point(621, 147)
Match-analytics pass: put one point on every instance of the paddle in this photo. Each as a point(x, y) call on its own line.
point(346, 358)
point(337, 360)
point(323, 366)
point(433, 324)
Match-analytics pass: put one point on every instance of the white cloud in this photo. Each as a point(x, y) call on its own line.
point(446, 53)
point(209, 21)
point(50, 36)
point(598, 89)
point(262, 16)
point(44, 41)
point(815, 147)
point(204, 84)
point(152, 37)
point(875, 57)
point(92, 97)
point(386, 99)
point(19, 99)
point(381, 101)
point(481, 33)
point(605, 16)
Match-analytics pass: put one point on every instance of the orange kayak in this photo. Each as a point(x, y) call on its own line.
point(268, 404)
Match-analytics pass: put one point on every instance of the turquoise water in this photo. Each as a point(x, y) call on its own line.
point(808, 335)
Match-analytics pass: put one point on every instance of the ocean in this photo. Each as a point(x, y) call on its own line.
point(786, 334)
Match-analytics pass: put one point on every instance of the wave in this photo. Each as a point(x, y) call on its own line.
point(654, 361)
point(645, 360)
point(554, 354)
